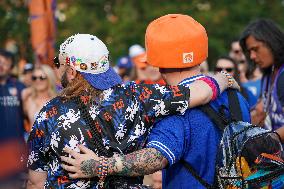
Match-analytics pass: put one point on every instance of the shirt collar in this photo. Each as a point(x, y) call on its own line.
point(189, 80)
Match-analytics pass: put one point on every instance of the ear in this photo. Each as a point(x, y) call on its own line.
point(72, 73)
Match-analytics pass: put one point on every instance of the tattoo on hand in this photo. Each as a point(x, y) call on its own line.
point(89, 167)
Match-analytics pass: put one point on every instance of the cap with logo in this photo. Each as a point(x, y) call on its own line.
point(90, 56)
point(176, 41)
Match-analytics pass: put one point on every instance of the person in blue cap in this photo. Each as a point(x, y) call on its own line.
point(97, 110)
point(124, 68)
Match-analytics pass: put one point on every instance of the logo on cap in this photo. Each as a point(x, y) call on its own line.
point(187, 57)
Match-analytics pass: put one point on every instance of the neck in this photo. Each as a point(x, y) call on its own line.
point(176, 77)
point(43, 94)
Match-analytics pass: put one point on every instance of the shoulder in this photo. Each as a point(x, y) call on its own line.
point(280, 88)
point(173, 121)
point(47, 109)
point(280, 81)
point(17, 83)
point(26, 93)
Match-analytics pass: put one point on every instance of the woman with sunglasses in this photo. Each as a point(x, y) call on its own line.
point(227, 64)
point(40, 92)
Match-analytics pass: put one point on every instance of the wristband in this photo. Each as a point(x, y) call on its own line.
point(215, 88)
point(216, 85)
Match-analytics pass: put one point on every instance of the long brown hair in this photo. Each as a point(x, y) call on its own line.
point(79, 87)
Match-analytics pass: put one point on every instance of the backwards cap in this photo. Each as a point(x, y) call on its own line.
point(176, 41)
point(90, 56)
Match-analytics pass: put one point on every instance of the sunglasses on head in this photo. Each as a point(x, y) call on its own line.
point(218, 69)
point(34, 78)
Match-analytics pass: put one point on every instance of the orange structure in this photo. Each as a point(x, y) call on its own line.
point(43, 29)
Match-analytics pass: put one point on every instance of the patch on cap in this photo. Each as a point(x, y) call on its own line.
point(86, 53)
point(187, 57)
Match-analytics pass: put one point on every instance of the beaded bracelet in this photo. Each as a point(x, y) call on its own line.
point(102, 168)
point(229, 77)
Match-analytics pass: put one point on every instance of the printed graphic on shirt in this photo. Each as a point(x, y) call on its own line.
point(124, 118)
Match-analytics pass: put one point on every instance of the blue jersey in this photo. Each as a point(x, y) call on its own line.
point(191, 137)
point(11, 111)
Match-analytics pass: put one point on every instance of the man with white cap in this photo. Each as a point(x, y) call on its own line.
point(96, 110)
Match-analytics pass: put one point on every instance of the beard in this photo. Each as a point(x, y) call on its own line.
point(64, 80)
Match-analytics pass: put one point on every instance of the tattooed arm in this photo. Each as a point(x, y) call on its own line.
point(141, 162)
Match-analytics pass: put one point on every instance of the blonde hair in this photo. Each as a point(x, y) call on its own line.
point(51, 79)
point(78, 87)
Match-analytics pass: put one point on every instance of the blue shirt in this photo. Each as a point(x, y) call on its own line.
point(254, 87)
point(11, 111)
point(191, 137)
point(247, 93)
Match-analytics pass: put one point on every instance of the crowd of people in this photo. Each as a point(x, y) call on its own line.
point(82, 123)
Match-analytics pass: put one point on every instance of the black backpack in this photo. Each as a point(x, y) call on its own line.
point(248, 156)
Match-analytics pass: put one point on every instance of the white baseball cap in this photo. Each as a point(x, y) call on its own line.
point(90, 56)
point(136, 50)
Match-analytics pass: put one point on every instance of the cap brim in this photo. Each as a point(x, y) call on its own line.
point(140, 61)
point(104, 80)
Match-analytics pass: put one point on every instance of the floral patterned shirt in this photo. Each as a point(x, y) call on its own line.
point(123, 118)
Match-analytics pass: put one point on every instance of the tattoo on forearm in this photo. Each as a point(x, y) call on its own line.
point(142, 162)
point(89, 167)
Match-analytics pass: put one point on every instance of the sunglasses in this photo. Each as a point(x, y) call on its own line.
point(41, 78)
point(236, 51)
point(218, 69)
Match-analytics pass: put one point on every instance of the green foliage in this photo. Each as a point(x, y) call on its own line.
point(121, 23)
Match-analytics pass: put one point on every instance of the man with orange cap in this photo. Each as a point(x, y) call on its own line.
point(177, 44)
point(145, 73)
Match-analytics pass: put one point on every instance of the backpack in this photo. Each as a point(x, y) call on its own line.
point(248, 157)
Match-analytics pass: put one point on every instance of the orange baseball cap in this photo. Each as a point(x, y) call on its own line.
point(140, 60)
point(176, 41)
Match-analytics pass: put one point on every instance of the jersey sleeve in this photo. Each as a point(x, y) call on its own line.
point(37, 143)
point(170, 142)
point(159, 101)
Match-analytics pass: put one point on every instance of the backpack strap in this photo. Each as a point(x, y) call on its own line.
point(220, 120)
point(97, 141)
point(217, 118)
point(234, 105)
point(195, 175)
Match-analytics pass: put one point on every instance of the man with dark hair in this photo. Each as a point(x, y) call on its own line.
point(263, 43)
point(95, 109)
point(236, 52)
point(191, 137)
point(11, 124)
